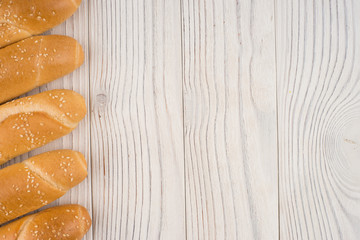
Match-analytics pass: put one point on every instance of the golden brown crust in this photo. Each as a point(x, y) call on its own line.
point(21, 19)
point(35, 61)
point(11, 231)
point(38, 181)
point(66, 222)
point(66, 169)
point(31, 122)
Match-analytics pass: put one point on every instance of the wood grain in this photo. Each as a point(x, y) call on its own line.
point(318, 112)
point(136, 120)
point(217, 119)
point(230, 119)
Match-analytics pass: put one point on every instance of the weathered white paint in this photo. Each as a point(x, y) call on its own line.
point(208, 118)
point(318, 55)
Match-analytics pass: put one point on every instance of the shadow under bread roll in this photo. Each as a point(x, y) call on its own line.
point(20, 19)
point(31, 122)
point(38, 181)
point(36, 61)
point(63, 222)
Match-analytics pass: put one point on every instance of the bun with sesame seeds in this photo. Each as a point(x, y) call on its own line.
point(36, 61)
point(65, 222)
point(22, 19)
point(38, 181)
point(31, 122)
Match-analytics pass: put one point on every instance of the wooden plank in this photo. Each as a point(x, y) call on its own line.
point(79, 140)
point(136, 116)
point(319, 114)
point(230, 119)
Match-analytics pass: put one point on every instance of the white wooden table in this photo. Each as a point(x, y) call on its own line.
point(218, 119)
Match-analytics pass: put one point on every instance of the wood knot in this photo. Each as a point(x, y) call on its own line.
point(101, 99)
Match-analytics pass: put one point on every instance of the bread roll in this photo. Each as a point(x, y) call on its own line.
point(31, 122)
point(20, 19)
point(35, 61)
point(38, 181)
point(64, 222)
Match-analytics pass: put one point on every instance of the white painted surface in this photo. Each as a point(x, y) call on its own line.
point(136, 120)
point(318, 55)
point(217, 119)
point(230, 120)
